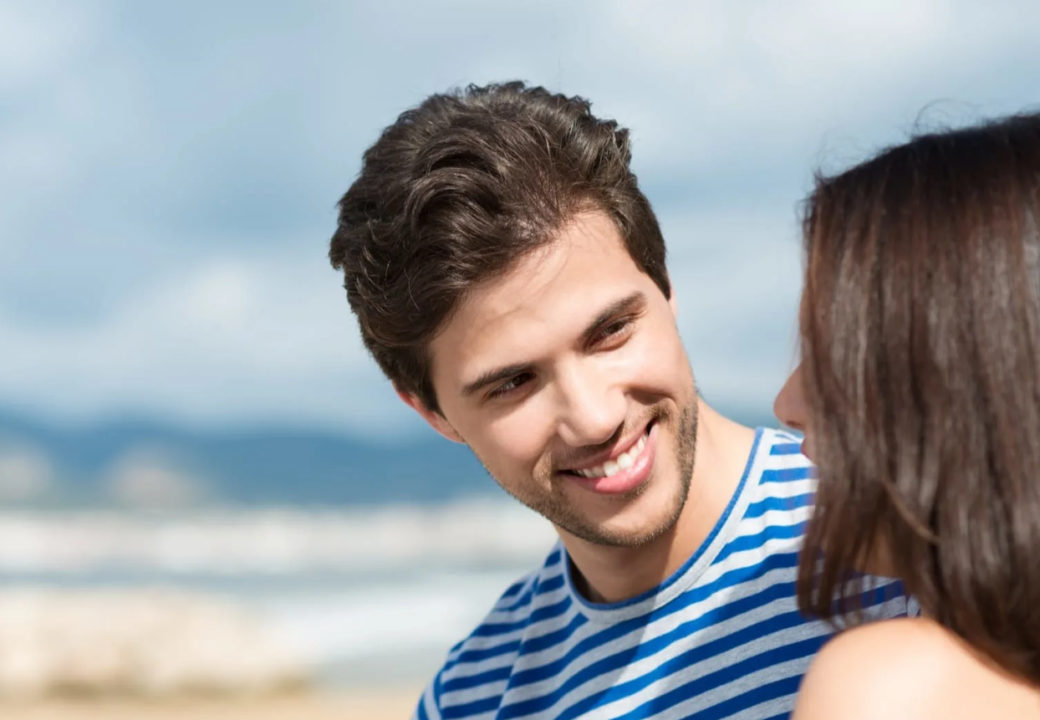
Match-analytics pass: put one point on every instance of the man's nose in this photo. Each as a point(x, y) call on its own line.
point(593, 407)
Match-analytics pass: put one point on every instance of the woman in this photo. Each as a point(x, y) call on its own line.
point(919, 396)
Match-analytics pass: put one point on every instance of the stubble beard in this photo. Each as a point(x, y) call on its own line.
point(554, 507)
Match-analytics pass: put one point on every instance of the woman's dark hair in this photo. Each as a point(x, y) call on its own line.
point(921, 363)
point(459, 190)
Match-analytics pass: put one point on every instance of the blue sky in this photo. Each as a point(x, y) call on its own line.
point(169, 173)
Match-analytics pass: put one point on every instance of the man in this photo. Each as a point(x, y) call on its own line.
point(509, 278)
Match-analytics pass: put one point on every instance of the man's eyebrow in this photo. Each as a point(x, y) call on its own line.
point(501, 374)
point(625, 304)
point(493, 376)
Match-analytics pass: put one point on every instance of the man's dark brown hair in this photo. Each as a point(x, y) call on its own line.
point(457, 191)
point(921, 364)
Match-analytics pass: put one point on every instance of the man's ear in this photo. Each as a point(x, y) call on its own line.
point(434, 419)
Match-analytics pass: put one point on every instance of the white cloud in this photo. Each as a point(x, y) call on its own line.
point(705, 83)
point(169, 184)
point(737, 278)
point(243, 340)
point(37, 38)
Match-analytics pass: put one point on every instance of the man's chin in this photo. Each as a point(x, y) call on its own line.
point(632, 527)
point(611, 537)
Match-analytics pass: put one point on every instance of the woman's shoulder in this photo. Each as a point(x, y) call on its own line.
point(909, 667)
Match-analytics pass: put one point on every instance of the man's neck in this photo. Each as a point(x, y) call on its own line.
point(611, 574)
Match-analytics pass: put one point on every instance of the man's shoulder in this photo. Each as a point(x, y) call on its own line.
point(529, 600)
point(532, 606)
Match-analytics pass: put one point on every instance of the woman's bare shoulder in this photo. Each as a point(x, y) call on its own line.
point(909, 667)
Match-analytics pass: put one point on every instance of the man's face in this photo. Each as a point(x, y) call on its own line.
point(568, 380)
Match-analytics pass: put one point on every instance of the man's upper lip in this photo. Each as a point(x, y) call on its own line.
point(619, 449)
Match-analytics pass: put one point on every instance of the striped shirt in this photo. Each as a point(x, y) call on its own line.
point(721, 638)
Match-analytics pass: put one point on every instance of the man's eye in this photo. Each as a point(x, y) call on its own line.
point(615, 329)
point(510, 385)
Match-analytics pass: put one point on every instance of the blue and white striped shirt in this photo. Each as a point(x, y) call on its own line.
point(721, 638)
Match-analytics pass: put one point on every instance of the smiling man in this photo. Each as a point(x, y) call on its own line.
point(509, 277)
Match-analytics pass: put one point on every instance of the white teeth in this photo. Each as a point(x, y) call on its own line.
point(613, 467)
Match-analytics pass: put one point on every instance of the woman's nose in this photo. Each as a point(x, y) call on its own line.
point(789, 406)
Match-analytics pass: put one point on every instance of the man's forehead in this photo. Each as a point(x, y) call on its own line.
point(588, 254)
point(561, 290)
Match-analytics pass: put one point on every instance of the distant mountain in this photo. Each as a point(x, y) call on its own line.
point(91, 465)
point(150, 464)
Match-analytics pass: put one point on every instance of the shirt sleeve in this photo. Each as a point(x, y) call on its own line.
point(427, 708)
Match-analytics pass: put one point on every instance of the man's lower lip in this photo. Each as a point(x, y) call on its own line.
point(624, 480)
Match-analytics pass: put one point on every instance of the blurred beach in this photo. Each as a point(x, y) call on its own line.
point(148, 571)
point(246, 613)
point(357, 705)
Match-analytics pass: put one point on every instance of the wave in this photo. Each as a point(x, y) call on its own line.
point(386, 540)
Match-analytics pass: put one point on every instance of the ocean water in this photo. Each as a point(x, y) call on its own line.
point(367, 597)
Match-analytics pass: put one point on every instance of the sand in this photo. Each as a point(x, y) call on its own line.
point(352, 705)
